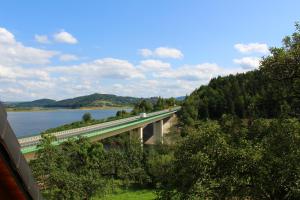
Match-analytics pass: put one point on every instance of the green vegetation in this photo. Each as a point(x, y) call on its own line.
point(79, 124)
point(138, 194)
point(87, 117)
point(269, 92)
point(238, 138)
point(229, 159)
point(160, 104)
point(93, 100)
point(241, 134)
point(36, 103)
point(79, 169)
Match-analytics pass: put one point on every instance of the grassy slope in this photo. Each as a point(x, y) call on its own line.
point(142, 194)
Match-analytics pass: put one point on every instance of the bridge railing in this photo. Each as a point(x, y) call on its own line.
point(34, 140)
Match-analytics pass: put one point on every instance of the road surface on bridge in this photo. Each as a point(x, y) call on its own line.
point(29, 144)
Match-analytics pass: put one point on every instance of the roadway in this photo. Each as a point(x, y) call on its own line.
point(30, 143)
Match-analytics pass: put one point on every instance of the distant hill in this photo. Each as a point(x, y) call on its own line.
point(36, 103)
point(96, 100)
point(180, 98)
point(93, 100)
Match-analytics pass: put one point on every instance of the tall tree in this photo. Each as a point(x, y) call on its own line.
point(283, 68)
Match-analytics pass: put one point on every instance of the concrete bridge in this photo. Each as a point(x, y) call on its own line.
point(149, 128)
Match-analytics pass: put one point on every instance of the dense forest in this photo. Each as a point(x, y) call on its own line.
point(241, 134)
point(254, 94)
point(238, 138)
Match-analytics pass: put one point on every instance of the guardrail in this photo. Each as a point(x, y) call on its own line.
point(34, 140)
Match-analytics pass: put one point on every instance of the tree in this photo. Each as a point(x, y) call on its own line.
point(171, 102)
point(160, 104)
point(158, 165)
point(87, 117)
point(282, 67)
point(188, 114)
point(143, 106)
point(277, 173)
point(230, 160)
point(122, 113)
point(203, 109)
point(73, 170)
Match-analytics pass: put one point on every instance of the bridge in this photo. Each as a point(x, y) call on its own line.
point(149, 128)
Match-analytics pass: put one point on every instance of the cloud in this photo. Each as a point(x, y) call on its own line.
point(65, 37)
point(165, 52)
point(145, 52)
point(154, 65)
point(60, 82)
point(42, 39)
point(13, 52)
point(162, 52)
point(108, 75)
point(101, 68)
point(248, 62)
point(6, 37)
point(14, 74)
point(67, 57)
point(201, 72)
point(252, 48)
point(26, 73)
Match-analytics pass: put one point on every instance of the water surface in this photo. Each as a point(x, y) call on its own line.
point(28, 123)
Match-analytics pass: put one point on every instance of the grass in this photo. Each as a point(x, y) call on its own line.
point(130, 194)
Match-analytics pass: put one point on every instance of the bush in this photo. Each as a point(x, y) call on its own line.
point(87, 117)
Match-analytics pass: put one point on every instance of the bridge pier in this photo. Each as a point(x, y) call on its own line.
point(158, 131)
point(140, 134)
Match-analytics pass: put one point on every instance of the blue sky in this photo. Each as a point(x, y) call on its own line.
point(60, 49)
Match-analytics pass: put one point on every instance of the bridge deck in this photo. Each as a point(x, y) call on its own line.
point(29, 144)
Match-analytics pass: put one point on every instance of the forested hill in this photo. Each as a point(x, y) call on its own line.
point(271, 91)
point(241, 134)
point(35, 103)
point(96, 100)
point(93, 100)
point(243, 95)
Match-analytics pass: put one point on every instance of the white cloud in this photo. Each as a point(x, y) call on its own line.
point(42, 39)
point(108, 75)
point(248, 62)
point(68, 57)
point(19, 73)
point(154, 65)
point(102, 68)
point(252, 48)
point(65, 37)
point(201, 72)
point(165, 52)
point(21, 79)
point(13, 52)
point(6, 37)
point(145, 52)
point(162, 52)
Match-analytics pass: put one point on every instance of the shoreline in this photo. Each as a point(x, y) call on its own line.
point(43, 109)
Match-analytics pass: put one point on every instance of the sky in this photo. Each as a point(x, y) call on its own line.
point(62, 49)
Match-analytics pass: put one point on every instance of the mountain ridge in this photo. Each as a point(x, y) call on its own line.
point(92, 100)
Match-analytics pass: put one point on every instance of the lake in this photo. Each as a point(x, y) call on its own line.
point(28, 123)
